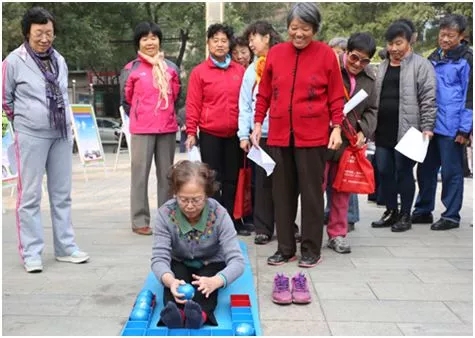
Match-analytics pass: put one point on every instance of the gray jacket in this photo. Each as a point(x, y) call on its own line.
point(417, 87)
point(24, 94)
point(218, 243)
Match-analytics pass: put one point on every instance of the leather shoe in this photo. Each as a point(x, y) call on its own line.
point(422, 219)
point(403, 224)
point(278, 258)
point(144, 231)
point(389, 218)
point(444, 224)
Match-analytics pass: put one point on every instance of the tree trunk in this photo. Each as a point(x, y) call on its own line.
point(184, 36)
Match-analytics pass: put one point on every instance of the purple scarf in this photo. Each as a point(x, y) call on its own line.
point(57, 110)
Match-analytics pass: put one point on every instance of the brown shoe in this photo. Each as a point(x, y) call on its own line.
point(145, 231)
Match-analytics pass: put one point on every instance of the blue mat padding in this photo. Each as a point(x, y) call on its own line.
point(228, 317)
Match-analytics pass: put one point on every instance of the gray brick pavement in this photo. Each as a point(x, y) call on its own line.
point(414, 283)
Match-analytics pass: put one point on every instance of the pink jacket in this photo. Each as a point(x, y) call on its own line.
point(142, 97)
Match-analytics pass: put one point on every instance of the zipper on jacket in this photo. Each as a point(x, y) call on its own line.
point(292, 92)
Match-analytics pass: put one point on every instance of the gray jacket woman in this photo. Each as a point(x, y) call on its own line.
point(405, 84)
point(35, 99)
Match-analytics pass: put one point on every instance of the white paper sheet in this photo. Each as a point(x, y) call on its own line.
point(354, 101)
point(194, 154)
point(413, 145)
point(262, 159)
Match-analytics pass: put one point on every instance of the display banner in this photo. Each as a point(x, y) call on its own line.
point(86, 134)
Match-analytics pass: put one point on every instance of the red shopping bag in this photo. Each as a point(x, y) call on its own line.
point(355, 173)
point(243, 197)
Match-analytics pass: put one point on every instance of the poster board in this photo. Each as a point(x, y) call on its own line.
point(86, 134)
point(125, 127)
point(124, 132)
point(9, 162)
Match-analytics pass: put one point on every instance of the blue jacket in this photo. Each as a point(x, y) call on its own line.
point(247, 105)
point(454, 91)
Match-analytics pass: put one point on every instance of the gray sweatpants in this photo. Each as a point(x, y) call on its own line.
point(34, 156)
point(144, 147)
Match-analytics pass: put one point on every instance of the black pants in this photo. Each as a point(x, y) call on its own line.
point(208, 305)
point(224, 156)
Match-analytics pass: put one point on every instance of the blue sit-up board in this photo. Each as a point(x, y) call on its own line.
point(244, 309)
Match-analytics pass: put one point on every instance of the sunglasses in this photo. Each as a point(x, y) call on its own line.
point(355, 58)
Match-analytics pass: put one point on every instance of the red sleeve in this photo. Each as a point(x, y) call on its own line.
point(336, 93)
point(194, 102)
point(265, 91)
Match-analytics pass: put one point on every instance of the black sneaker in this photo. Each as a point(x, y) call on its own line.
point(241, 229)
point(278, 259)
point(444, 224)
point(249, 227)
point(351, 226)
point(309, 261)
point(261, 239)
point(422, 219)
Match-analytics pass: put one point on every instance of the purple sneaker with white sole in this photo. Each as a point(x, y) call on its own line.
point(281, 292)
point(300, 292)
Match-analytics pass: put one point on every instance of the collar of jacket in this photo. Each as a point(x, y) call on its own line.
point(454, 54)
point(211, 64)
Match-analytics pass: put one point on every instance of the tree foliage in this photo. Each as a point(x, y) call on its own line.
point(98, 36)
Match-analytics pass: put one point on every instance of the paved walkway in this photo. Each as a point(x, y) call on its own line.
point(414, 283)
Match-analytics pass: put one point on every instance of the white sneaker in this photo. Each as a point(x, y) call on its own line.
point(33, 266)
point(76, 257)
point(339, 244)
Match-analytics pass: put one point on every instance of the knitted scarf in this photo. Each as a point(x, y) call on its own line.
point(260, 65)
point(57, 109)
point(160, 76)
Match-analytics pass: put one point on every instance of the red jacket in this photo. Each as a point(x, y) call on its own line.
point(212, 99)
point(304, 91)
point(142, 96)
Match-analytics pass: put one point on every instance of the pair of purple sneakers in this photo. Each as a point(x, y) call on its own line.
point(298, 294)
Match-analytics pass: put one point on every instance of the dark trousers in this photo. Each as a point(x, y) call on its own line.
point(224, 156)
point(264, 204)
point(298, 169)
point(396, 173)
point(250, 219)
point(443, 151)
point(184, 272)
point(377, 196)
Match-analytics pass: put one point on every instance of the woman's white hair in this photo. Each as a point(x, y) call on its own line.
point(308, 12)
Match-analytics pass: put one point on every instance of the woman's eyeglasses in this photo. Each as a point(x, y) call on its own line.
point(193, 200)
point(39, 35)
point(355, 58)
